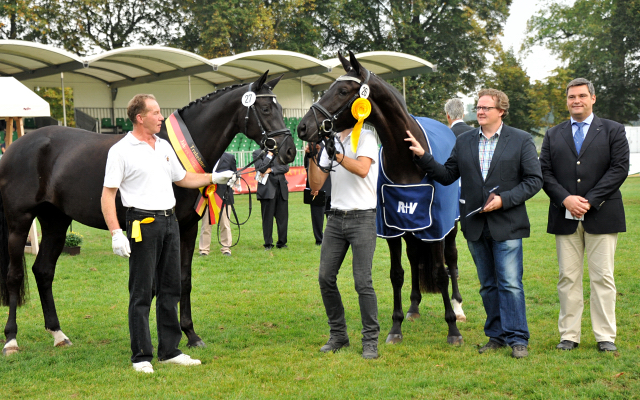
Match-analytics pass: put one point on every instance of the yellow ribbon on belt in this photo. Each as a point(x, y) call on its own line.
point(360, 110)
point(135, 228)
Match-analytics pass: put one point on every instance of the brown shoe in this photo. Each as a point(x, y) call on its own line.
point(491, 345)
point(519, 351)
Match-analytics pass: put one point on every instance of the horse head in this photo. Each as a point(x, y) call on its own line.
point(263, 121)
point(332, 113)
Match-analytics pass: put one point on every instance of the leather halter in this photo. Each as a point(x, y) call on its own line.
point(268, 142)
point(326, 126)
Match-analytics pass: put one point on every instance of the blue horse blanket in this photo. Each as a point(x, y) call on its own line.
point(428, 210)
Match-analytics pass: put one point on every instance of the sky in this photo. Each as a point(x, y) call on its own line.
point(539, 63)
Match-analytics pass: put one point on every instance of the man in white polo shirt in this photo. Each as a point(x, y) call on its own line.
point(143, 167)
point(350, 222)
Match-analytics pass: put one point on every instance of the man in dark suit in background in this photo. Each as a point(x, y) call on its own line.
point(274, 198)
point(500, 160)
point(454, 109)
point(227, 162)
point(584, 162)
point(318, 211)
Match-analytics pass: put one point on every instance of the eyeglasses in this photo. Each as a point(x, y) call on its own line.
point(484, 109)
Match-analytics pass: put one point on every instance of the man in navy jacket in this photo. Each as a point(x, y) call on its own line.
point(584, 162)
point(498, 160)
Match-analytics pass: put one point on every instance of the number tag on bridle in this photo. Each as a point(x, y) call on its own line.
point(248, 99)
point(364, 91)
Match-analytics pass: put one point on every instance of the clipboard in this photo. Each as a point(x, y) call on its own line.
point(319, 199)
point(492, 195)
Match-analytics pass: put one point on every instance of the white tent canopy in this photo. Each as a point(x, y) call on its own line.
point(17, 100)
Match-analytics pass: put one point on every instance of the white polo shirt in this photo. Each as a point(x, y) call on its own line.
point(349, 191)
point(143, 175)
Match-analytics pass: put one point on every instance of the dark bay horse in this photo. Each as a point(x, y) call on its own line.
point(56, 174)
point(389, 115)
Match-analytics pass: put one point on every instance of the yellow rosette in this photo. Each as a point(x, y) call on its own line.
point(360, 110)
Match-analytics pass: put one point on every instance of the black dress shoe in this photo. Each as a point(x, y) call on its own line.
point(567, 345)
point(607, 346)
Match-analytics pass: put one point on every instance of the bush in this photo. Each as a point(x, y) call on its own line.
point(73, 239)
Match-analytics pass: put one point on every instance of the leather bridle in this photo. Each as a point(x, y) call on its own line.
point(268, 142)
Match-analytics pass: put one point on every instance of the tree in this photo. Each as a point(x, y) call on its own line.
point(508, 76)
point(455, 35)
point(600, 40)
point(25, 19)
point(548, 100)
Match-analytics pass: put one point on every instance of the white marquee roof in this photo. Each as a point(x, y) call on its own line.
point(144, 64)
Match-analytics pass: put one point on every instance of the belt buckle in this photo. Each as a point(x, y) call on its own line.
point(166, 213)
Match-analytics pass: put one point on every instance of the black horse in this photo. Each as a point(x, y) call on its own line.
point(391, 119)
point(56, 174)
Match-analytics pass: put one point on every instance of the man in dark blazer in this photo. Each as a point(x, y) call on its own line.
point(454, 109)
point(502, 161)
point(227, 162)
point(584, 162)
point(274, 198)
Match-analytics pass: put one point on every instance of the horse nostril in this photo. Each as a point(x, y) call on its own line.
point(301, 129)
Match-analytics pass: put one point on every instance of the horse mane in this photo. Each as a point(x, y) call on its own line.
point(396, 93)
point(212, 96)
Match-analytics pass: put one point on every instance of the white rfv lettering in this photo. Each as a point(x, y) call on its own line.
point(406, 207)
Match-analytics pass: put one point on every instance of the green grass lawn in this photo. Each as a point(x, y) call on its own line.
point(262, 318)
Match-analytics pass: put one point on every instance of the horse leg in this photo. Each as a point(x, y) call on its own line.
point(414, 256)
point(15, 279)
point(397, 280)
point(54, 226)
point(187, 245)
point(442, 279)
point(451, 259)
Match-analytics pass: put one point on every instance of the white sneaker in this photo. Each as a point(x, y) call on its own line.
point(182, 359)
point(144, 366)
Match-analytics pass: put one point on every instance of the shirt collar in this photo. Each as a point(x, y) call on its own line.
point(587, 120)
point(497, 134)
point(133, 140)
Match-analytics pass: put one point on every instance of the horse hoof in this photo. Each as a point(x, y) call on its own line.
point(64, 343)
point(412, 316)
point(197, 343)
point(455, 340)
point(394, 338)
point(461, 318)
point(7, 351)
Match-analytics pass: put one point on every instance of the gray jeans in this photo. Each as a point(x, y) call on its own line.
point(358, 230)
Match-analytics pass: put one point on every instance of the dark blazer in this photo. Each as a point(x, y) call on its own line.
point(276, 177)
point(461, 127)
point(227, 163)
point(514, 169)
point(595, 174)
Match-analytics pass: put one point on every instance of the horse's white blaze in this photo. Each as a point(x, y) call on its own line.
point(457, 308)
point(58, 337)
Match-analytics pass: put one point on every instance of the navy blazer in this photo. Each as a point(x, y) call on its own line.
point(595, 174)
point(276, 177)
point(514, 170)
point(460, 128)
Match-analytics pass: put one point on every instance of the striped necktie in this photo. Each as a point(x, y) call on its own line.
point(578, 138)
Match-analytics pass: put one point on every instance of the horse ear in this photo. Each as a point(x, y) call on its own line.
point(272, 83)
point(345, 63)
point(261, 81)
point(354, 63)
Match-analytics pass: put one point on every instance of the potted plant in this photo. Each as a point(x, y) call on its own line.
point(72, 243)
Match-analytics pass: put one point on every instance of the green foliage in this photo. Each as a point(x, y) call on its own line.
point(600, 40)
point(261, 315)
point(508, 76)
point(73, 239)
point(548, 101)
point(53, 96)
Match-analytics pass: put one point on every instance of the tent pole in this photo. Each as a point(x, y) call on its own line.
point(189, 88)
point(404, 89)
point(301, 95)
point(64, 102)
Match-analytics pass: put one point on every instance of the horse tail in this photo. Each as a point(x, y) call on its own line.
point(4, 256)
point(428, 272)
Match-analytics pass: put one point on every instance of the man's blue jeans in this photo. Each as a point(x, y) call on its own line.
point(358, 230)
point(499, 266)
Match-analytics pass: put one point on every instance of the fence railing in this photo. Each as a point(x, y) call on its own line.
point(105, 112)
point(243, 158)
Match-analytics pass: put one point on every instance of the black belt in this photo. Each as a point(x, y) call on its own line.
point(160, 213)
point(345, 213)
